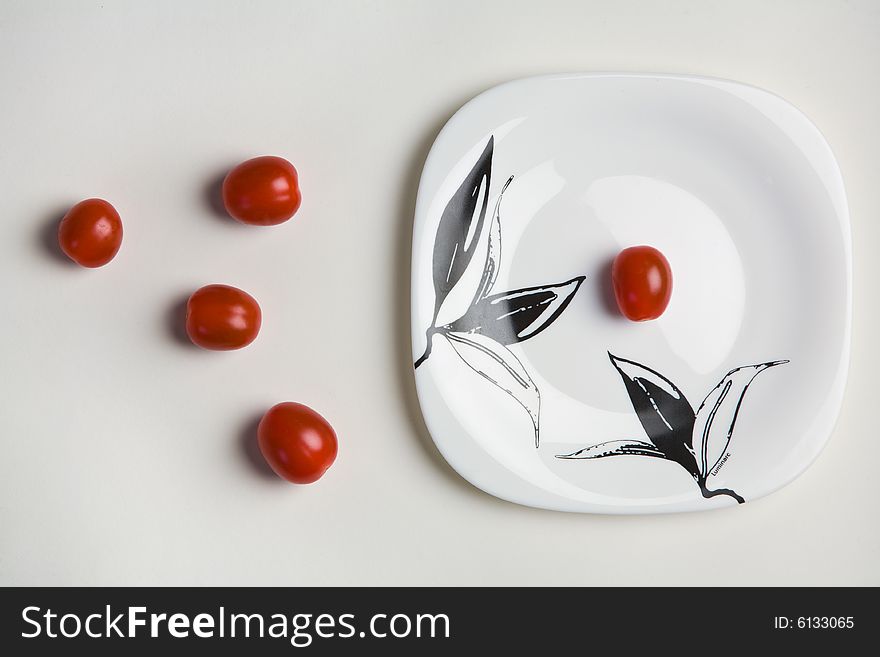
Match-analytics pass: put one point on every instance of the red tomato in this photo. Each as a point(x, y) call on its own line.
point(642, 282)
point(90, 233)
point(263, 191)
point(297, 443)
point(222, 317)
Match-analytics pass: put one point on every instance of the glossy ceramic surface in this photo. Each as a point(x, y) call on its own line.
point(535, 388)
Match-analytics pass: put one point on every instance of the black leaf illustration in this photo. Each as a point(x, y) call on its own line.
point(479, 336)
point(615, 448)
point(664, 412)
point(502, 368)
point(696, 441)
point(461, 226)
point(518, 315)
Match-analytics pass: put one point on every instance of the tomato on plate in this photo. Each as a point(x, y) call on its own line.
point(90, 233)
point(263, 191)
point(642, 281)
point(222, 317)
point(297, 443)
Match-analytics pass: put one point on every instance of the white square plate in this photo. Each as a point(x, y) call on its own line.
point(535, 388)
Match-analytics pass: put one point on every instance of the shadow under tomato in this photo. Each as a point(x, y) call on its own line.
point(606, 287)
point(175, 322)
point(250, 449)
point(212, 194)
point(47, 237)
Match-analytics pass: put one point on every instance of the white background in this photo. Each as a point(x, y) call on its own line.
point(127, 455)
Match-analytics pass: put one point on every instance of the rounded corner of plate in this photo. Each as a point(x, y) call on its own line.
point(440, 171)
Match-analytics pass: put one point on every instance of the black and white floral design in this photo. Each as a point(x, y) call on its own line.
point(699, 441)
point(493, 320)
point(468, 239)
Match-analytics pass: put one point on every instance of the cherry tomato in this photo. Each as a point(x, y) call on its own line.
point(222, 317)
point(263, 191)
point(297, 442)
point(90, 233)
point(642, 282)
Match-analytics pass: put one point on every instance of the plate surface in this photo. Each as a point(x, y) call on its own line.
point(535, 388)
